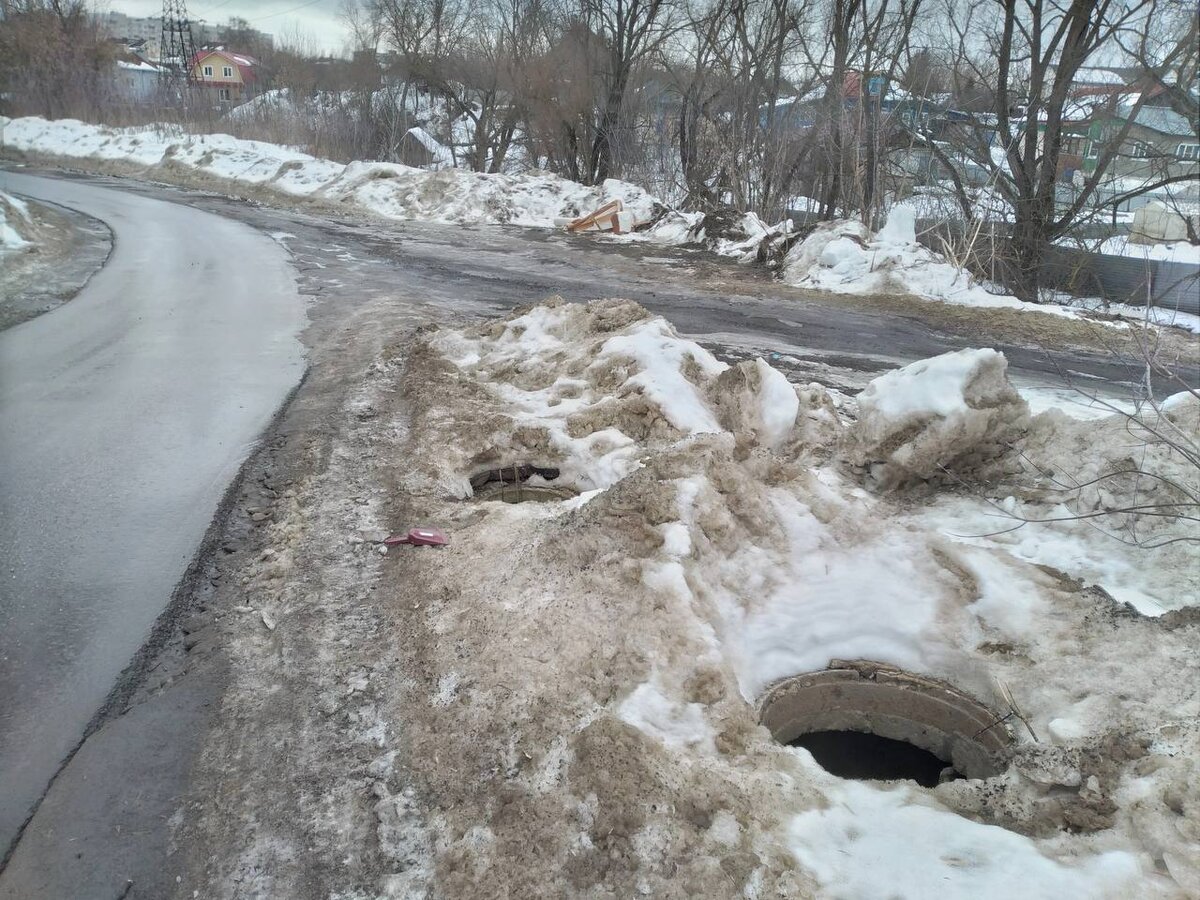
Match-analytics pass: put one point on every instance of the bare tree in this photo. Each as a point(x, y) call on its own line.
point(857, 47)
point(627, 33)
point(736, 138)
point(53, 60)
point(1029, 54)
point(471, 55)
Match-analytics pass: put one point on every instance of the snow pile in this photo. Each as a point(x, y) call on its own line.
point(845, 258)
point(948, 415)
point(581, 386)
point(615, 642)
point(755, 399)
point(16, 223)
point(724, 231)
point(590, 388)
point(384, 189)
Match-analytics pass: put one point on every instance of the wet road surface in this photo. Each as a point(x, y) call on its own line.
point(124, 414)
point(488, 270)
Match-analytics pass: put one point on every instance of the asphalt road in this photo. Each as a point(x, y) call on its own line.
point(486, 270)
point(124, 414)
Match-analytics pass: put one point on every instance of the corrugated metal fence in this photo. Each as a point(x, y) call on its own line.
point(1125, 279)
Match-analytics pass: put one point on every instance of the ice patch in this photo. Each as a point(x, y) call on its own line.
point(16, 224)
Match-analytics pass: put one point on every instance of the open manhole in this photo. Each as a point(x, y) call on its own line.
point(871, 721)
point(520, 483)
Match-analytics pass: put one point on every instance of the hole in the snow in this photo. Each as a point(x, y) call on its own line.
point(869, 720)
point(520, 483)
point(869, 757)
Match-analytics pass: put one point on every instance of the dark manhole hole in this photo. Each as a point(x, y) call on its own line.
point(520, 483)
point(872, 721)
point(869, 757)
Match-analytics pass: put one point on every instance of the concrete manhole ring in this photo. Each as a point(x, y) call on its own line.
point(870, 698)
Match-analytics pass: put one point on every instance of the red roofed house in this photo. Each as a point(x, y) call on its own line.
point(231, 76)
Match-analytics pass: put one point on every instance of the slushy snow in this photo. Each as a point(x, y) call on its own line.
point(16, 223)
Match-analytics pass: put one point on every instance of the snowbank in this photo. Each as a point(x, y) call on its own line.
point(842, 256)
point(948, 415)
point(845, 258)
point(588, 388)
point(723, 540)
point(384, 189)
point(16, 223)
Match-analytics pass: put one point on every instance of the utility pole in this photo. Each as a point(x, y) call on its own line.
point(177, 51)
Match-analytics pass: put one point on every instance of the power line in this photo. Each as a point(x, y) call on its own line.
point(218, 6)
point(285, 12)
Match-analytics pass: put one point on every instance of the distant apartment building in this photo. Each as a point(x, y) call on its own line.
point(145, 33)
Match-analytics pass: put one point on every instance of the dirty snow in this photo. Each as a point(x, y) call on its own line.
point(607, 376)
point(921, 421)
point(384, 189)
point(1072, 520)
point(846, 258)
point(16, 223)
point(737, 531)
point(675, 724)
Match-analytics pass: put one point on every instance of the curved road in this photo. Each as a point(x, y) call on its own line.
point(124, 415)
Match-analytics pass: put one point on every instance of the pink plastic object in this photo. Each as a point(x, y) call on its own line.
point(423, 536)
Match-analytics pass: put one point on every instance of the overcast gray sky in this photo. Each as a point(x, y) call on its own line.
point(316, 21)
